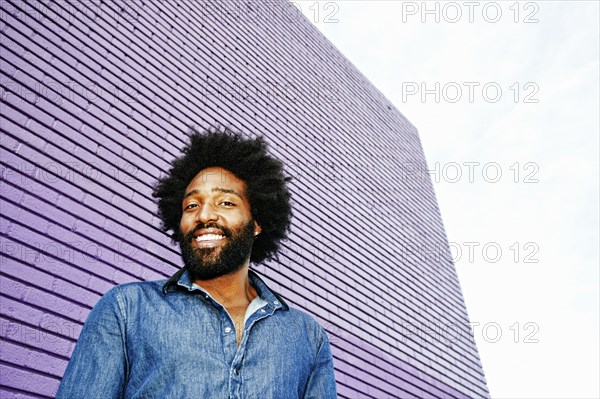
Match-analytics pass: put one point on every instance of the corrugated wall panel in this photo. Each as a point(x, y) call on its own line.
point(96, 99)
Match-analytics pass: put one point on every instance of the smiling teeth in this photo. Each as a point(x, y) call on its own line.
point(209, 237)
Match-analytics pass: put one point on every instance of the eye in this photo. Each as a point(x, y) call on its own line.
point(190, 206)
point(227, 203)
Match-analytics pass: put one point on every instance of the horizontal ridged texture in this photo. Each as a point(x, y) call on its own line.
point(97, 98)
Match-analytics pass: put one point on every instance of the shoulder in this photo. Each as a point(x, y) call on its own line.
point(128, 299)
point(133, 291)
point(306, 322)
point(303, 316)
point(140, 287)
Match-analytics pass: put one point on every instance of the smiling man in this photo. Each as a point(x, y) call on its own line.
point(214, 329)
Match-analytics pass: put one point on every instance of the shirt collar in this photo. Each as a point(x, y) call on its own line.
point(182, 278)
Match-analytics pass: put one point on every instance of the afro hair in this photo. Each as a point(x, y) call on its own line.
point(248, 159)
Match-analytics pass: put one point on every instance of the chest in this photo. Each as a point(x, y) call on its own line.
point(200, 347)
point(212, 333)
point(237, 315)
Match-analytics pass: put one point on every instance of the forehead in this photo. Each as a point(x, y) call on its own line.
point(216, 177)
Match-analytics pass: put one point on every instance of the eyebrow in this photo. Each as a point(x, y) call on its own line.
point(219, 189)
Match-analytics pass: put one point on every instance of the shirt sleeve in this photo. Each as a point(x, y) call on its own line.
point(321, 382)
point(98, 365)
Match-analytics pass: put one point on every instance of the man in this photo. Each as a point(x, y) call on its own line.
point(214, 329)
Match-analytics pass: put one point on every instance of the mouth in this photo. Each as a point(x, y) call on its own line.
point(208, 238)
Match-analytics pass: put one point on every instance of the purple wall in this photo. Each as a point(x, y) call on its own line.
point(96, 97)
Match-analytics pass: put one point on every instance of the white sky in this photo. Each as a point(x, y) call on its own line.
point(550, 208)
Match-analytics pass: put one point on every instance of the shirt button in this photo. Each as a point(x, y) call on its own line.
point(236, 371)
point(275, 303)
point(227, 330)
point(262, 311)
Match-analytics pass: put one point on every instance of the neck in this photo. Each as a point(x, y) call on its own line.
point(230, 290)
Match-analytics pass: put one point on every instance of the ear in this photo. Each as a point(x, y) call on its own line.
point(257, 229)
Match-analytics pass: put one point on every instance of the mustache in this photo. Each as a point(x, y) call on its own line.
point(226, 232)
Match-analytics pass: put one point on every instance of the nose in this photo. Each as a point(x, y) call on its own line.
point(207, 213)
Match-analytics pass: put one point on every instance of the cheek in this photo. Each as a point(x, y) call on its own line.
point(246, 213)
point(240, 218)
point(186, 223)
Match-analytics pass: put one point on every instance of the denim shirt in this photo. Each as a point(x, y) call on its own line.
point(171, 339)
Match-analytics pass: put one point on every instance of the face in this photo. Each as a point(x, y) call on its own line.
point(217, 229)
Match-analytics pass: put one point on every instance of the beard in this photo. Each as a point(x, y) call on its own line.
point(209, 263)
